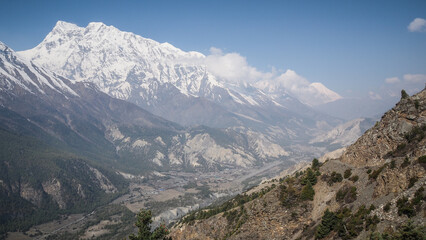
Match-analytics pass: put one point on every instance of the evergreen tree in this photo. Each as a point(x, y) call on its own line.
point(310, 176)
point(144, 220)
point(404, 94)
point(327, 224)
point(315, 164)
point(307, 192)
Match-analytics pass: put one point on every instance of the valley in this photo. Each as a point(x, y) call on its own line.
point(169, 195)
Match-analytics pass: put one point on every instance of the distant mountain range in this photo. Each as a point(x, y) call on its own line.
point(174, 84)
point(88, 104)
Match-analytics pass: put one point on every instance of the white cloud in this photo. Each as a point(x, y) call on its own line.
point(234, 68)
point(417, 25)
point(392, 80)
point(307, 92)
point(231, 67)
point(374, 96)
point(415, 78)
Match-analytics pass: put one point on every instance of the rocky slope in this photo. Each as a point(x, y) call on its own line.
point(375, 190)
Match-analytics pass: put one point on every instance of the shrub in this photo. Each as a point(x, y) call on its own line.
point(376, 173)
point(422, 159)
point(418, 197)
point(405, 208)
point(354, 178)
point(412, 181)
point(334, 178)
point(346, 194)
point(347, 173)
point(386, 208)
point(417, 103)
point(288, 196)
point(400, 147)
point(406, 163)
point(392, 164)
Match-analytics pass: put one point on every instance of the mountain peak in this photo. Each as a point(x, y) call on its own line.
point(327, 94)
point(65, 26)
point(3, 46)
point(95, 26)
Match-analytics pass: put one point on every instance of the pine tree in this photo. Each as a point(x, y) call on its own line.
point(310, 176)
point(315, 164)
point(327, 224)
point(144, 220)
point(404, 94)
point(308, 192)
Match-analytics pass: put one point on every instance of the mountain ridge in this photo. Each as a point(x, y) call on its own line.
point(375, 190)
point(167, 81)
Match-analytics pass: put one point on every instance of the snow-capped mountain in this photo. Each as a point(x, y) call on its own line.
point(167, 81)
point(78, 117)
point(19, 73)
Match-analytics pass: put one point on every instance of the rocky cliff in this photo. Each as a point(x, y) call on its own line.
point(375, 190)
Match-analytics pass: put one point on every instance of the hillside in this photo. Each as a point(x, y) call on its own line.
point(375, 190)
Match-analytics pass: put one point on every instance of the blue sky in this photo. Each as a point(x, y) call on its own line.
point(350, 46)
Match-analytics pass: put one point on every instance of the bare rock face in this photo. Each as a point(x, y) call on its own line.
point(103, 182)
point(397, 180)
point(53, 188)
point(373, 147)
point(33, 195)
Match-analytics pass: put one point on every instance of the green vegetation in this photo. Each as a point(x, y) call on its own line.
point(422, 159)
point(387, 207)
point(408, 208)
point(416, 103)
point(122, 226)
point(346, 194)
point(376, 173)
point(309, 176)
point(347, 173)
point(416, 134)
point(392, 164)
point(328, 222)
point(289, 194)
point(25, 161)
point(235, 220)
point(412, 181)
point(143, 223)
point(354, 178)
point(237, 201)
point(307, 192)
point(404, 94)
point(407, 231)
point(333, 178)
point(296, 189)
point(346, 224)
point(315, 164)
